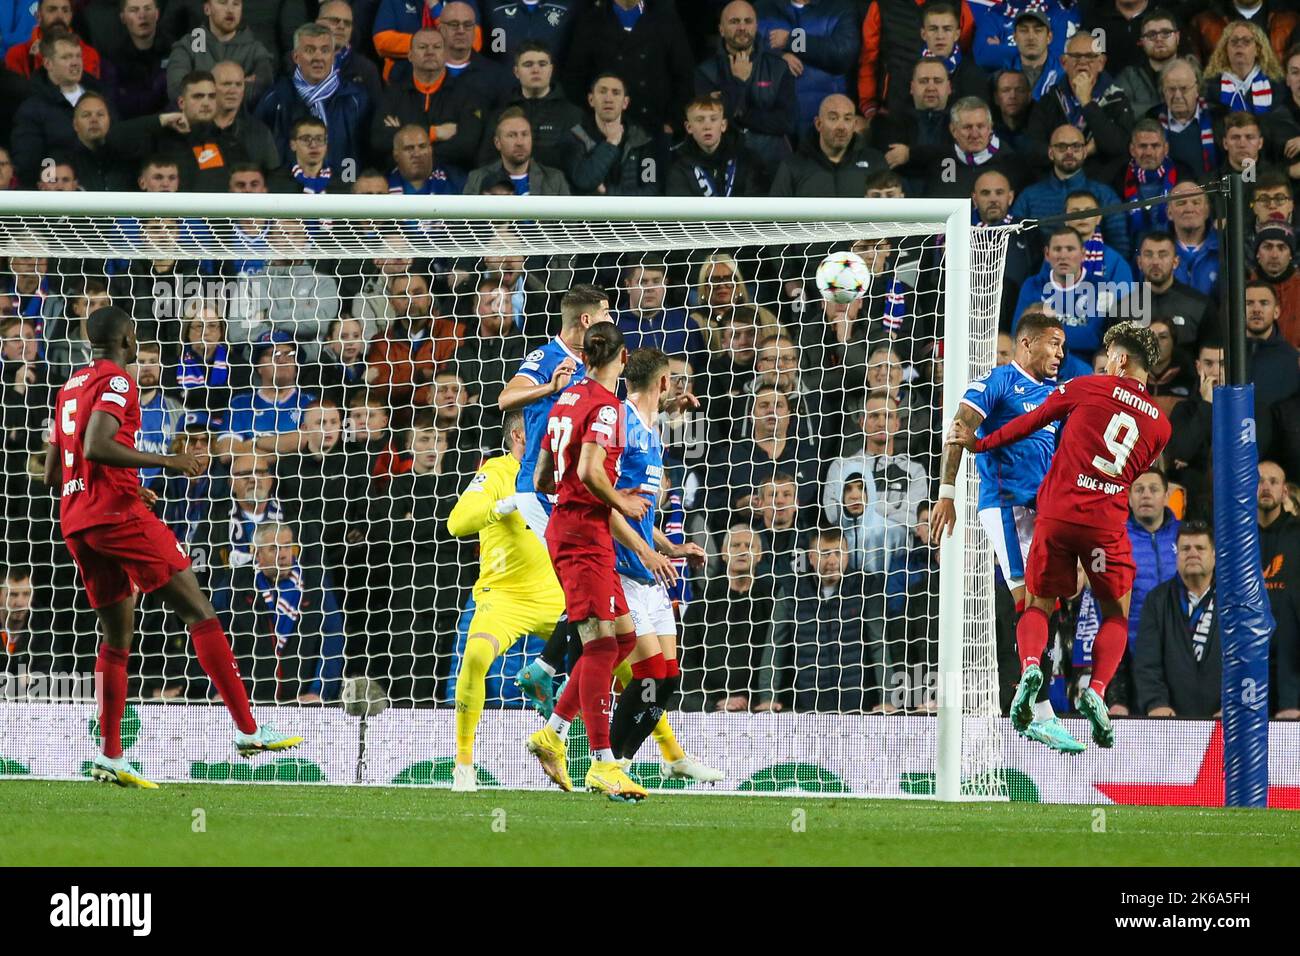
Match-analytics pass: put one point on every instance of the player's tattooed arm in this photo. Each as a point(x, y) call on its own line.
point(544, 473)
point(943, 516)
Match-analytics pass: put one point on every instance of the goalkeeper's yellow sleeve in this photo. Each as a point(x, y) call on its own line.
point(476, 507)
point(511, 558)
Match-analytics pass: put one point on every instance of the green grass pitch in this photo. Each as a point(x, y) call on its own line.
point(67, 824)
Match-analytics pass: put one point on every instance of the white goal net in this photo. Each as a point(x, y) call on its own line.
point(337, 362)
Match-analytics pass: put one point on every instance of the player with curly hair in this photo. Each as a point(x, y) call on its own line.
point(1112, 432)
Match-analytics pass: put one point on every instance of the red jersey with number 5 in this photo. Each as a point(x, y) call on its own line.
point(1113, 432)
point(95, 494)
point(585, 412)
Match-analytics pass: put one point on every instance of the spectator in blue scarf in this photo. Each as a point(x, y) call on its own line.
point(308, 173)
point(285, 622)
point(1101, 262)
point(1150, 173)
point(204, 371)
point(315, 88)
point(1081, 299)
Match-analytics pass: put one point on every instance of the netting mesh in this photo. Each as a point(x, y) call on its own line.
point(340, 380)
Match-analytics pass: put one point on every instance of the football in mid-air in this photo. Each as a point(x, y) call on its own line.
point(843, 277)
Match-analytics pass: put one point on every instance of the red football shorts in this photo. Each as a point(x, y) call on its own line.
point(1059, 546)
point(139, 551)
point(592, 588)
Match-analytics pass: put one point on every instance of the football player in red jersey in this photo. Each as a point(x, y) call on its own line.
point(1113, 432)
point(579, 463)
point(122, 548)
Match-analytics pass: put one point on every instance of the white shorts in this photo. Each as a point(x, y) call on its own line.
point(650, 607)
point(1010, 530)
point(535, 510)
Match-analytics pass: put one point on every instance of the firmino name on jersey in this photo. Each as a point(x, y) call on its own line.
point(1133, 401)
point(1105, 487)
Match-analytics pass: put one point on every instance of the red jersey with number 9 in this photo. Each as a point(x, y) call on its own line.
point(585, 412)
point(94, 494)
point(1112, 434)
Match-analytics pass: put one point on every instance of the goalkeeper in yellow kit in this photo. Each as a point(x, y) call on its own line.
point(516, 592)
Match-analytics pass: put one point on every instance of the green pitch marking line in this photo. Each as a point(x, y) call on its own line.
point(66, 823)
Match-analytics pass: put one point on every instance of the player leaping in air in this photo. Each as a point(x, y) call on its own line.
point(120, 547)
point(516, 592)
point(645, 572)
point(579, 460)
point(1112, 434)
point(1010, 476)
point(542, 376)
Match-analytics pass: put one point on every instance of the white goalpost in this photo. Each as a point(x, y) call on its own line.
point(336, 359)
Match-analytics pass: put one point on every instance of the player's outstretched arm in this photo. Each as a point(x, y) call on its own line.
point(101, 447)
point(591, 472)
point(943, 517)
point(1059, 404)
point(656, 563)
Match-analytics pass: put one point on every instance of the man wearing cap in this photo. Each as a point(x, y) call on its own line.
point(1275, 264)
point(997, 40)
point(1037, 55)
point(274, 407)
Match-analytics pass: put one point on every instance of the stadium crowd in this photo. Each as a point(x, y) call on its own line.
point(341, 405)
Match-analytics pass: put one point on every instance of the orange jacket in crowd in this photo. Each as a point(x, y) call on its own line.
point(25, 58)
point(406, 368)
point(872, 85)
point(1208, 27)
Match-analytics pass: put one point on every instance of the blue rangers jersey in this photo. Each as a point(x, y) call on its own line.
point(641, 468)
point(1011, 475)
point(538, 366)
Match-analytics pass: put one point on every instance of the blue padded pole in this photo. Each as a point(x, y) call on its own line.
point(1245, 621)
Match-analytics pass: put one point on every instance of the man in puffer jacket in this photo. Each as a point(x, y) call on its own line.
point(822, 37)
point(316, 88)
point(755, 86)
point(839, 655)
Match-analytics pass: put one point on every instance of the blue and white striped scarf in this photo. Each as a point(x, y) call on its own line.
point(311, 184)
point(1254, 94)
point(895, 306)
point(952, 61)
point(284, 598)
point(1094, 257)
point(194, 373)
point(317, 96)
